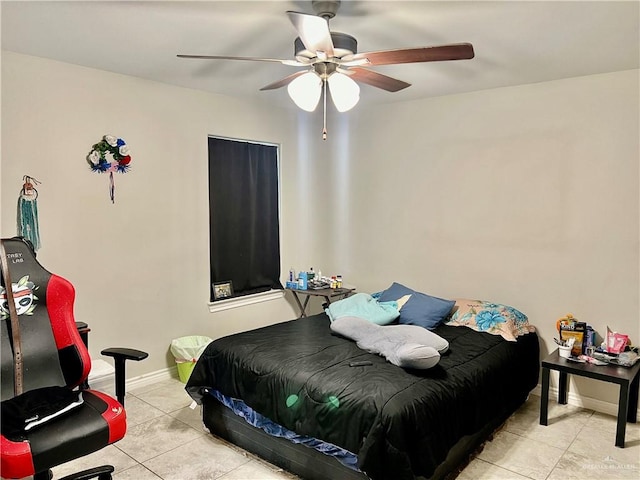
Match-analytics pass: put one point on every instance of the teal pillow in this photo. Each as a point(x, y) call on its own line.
point(363, 305)
point(421, 309)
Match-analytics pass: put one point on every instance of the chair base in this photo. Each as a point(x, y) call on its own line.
point(101, 473)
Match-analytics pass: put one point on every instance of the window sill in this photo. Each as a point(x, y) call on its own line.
point(221, 305)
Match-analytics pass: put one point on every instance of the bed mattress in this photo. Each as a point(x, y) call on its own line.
point(400, 423)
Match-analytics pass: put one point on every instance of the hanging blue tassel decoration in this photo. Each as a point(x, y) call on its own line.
point(28, 212)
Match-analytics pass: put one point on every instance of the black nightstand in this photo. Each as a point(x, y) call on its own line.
point(627, 377)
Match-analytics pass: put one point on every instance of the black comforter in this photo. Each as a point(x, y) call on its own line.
point(400, 423)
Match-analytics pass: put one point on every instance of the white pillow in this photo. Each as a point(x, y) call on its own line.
point(408, 346)
point(417, 334)
point(413, 355)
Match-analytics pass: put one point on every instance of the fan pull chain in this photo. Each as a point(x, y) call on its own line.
point(324, 125)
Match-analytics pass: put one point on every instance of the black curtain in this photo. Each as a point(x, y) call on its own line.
point(243, 215)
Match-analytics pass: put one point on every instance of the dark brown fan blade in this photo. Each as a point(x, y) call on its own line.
point(376, 79)
point(284, 81)
point(460, 51)
point(252, 59)
point(313, 31)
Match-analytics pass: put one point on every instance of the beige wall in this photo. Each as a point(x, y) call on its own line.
point(525, 195)
point(139, 266)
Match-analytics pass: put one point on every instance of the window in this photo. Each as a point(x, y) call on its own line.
point(244, 227)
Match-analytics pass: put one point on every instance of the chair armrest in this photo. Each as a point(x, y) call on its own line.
point(126, 353)
point(120, 356)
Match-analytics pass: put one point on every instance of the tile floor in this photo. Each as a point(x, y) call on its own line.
point(166, 440)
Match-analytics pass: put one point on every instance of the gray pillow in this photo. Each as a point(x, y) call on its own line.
point(407, 346)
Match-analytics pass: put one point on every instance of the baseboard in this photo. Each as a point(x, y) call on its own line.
point(601, 406)
point(107, 382)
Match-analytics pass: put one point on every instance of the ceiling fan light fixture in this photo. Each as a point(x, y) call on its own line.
point(333, 63)
point(345, 92)
point(306, 90)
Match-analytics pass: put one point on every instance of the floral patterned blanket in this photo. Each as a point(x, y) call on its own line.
point(493, 318)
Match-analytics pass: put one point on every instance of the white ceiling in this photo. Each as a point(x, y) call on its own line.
point(515, 42)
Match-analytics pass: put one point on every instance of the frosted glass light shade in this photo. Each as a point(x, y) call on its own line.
point(344, 91)
point(305, 91)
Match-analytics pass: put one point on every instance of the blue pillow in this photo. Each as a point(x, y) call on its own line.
point(421, 309)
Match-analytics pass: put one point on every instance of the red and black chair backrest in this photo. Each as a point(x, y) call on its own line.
point(52, 351)
point(53, 355)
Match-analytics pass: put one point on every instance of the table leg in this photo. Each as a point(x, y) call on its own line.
point(563, 388)
point(302, 309)
point(544, 398)
point(633, 400)
point(623, 405)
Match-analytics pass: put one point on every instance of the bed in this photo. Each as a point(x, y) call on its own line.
point(329, 420)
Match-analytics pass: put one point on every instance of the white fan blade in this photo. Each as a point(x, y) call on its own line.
point(313, 31)
point(292, 63)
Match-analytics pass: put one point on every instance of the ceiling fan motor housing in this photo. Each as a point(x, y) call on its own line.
point(325, 8)
point(343, 44)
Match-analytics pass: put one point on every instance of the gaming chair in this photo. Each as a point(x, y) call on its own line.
point(55, 419)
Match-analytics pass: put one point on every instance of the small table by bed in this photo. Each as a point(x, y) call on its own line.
point(326, 293)
point(627, 377)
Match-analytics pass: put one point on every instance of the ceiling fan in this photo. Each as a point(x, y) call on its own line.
point(331, 59)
